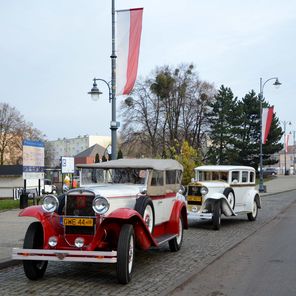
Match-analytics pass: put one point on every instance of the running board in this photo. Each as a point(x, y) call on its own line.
point(165, 238)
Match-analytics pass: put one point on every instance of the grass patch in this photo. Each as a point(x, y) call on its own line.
point(8, 204)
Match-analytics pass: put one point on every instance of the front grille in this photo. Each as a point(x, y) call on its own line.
point(194, 190)
point(80, 206)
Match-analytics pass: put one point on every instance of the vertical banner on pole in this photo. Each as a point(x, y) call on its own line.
point(267, 114)
point(129, 29)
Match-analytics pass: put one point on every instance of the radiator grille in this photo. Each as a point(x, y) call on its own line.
point(80, 206)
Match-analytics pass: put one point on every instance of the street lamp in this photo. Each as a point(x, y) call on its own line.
point(276, 83)
point(285, 144)
point(95, 92)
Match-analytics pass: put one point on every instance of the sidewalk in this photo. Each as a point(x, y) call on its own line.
point(13, 228)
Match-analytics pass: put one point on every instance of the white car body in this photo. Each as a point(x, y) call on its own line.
point(220, 181)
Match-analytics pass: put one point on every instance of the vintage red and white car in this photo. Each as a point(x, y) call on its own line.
point(121, 204)
point(222, 189)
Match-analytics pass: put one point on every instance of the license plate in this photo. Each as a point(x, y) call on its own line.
point(194, 198)
point(78, 222)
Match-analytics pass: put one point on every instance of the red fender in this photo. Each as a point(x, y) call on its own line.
point(129, 216)
point(178, 209)
point(49, 221)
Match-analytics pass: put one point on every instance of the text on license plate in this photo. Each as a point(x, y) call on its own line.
point(78, 222)
point(194, 198)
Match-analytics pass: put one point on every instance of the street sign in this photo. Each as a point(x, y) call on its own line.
point(33, 159)
point(67, 165)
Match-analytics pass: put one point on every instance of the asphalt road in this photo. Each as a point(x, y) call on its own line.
point(264, 264)
point(159, 272)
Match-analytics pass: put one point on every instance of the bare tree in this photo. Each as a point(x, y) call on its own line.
point(167, 108)
point(13, 130)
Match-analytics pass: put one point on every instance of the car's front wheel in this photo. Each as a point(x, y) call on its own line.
point(216, 218)
point(176, 243)
point(253, 215)
point(125, 253)
point(34, 269)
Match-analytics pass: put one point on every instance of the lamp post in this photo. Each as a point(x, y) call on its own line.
point(95, 92)
point(276, 83)
point(285, 144)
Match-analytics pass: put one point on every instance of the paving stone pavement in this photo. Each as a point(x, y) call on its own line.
point(156, 272)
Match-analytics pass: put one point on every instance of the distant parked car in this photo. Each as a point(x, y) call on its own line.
point(269, 172)
point(49, 187)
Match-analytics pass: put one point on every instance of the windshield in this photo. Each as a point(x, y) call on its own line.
point(115, 176)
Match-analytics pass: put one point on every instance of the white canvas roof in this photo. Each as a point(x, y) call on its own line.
point(223, 168)
point(141, 163)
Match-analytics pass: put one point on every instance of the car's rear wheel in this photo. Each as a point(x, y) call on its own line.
point(176, 243)
point(34, 269)
point(253, 215)
point(144, 206)
point(125, 253)
point(216, 218)
point(229, 194)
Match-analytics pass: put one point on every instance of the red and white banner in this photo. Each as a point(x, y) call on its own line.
point(129, 29)
point(286, 142)
point(267, 114)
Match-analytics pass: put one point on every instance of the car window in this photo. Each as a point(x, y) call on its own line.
point(245, 175)
point(157, 178)
point(170, 177)
point(252, 177)
point(235, 176)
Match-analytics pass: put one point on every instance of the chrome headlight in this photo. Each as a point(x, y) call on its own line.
point(100, 205)
point(204, 190)
point(50, 203)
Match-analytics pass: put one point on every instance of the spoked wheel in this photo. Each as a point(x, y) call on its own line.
point(144, 207)
point(216, 219)
point(34, 269)
point(176, 243)
point(125, 253)
point(253, 215)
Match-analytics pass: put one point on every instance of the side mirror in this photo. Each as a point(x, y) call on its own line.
point(235, 181)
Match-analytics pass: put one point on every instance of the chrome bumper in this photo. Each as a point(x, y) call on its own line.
point(64, 255)
point(199, 216)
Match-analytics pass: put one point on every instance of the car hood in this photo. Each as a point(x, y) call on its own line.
point(112, 190)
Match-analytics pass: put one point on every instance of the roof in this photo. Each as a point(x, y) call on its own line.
point(142, 163)
point(92, 151)
point(223, 168)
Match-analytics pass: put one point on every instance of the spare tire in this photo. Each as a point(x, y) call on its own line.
point(144, 206)
point(229, 194)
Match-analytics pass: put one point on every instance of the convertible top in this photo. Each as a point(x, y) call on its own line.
point(139, 163)
point(223, 168)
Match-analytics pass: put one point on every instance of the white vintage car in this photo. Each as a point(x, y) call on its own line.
point(121, 204)
point(222, 189)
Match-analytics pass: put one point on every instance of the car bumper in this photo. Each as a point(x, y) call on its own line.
point(64, 255)
point(199, 216)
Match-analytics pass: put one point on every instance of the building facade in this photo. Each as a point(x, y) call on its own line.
point(70, 147)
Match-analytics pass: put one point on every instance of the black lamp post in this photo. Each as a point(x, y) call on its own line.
point(276, 83)
point(95, 92)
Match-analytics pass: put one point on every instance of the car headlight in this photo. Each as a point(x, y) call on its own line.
point(50, 203)
point(100, 205)
point(204, 190)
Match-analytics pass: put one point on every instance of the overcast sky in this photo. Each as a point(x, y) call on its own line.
point(50, 51)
